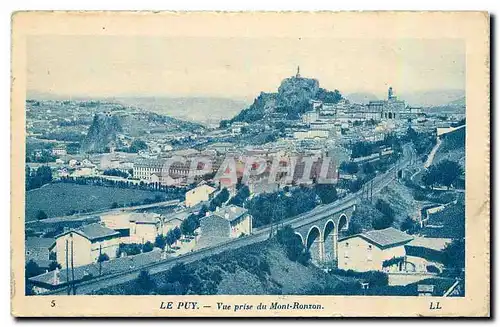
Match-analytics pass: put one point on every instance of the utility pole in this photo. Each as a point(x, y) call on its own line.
point(67, 268)
point(99, 259)
point(371, 192)
point(72, 267)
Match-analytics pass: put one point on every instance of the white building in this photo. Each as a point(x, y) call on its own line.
point(84, 245)
point(223, 224)
point(144, 227)
point(373, 250)
point(199, 194)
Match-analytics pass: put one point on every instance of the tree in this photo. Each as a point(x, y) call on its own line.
point(241, 196)
point(137, 145)
point(32, 269)
point(145, 283)
point(409, 225)
point(160, 242)
point(170, 238)
point(454, 254)
point(444, 173)
point(190, 224)
point(388, 219)
point(103, 257)
point(326, 192)
point(219, 199)
point(40, 215)
point(353, 228)
point(292, 243)
point(177, 233)
point(147, 247)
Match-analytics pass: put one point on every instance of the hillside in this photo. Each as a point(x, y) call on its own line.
point(261, 268)
point(452, 148)
point(204, 110)
point(292, 99)
point(101, 134)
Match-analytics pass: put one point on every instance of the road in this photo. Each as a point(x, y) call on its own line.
point(259, 235)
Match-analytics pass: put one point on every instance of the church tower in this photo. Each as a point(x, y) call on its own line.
point(298, 72)
point(390, 93)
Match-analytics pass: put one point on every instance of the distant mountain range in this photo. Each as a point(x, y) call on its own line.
point(361, 97)
point(207, 110)
point(199, 109)
point(210, 110)
point(433, 98)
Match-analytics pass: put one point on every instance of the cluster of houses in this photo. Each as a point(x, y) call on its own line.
point(82, 247)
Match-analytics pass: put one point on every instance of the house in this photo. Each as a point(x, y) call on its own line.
point(171, 222)
point(223, 224)
point(145, 227)
point(83, 245)
point(118, 221)
point(374, 250)
point(199, 194)
point(39, 250)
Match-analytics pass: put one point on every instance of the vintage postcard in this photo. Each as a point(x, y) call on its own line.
point(250, 164)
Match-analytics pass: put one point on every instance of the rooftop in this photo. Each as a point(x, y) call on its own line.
point(385, 238)
point(203, 188)
point(144, 218)
point(230, 212)
point(39, 242)
point(93, 232)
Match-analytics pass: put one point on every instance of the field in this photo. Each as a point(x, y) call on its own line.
point(61, 199)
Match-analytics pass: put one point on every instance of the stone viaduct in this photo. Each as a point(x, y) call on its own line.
point(320, 234)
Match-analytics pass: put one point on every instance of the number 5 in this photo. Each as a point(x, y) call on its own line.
point(52, 303)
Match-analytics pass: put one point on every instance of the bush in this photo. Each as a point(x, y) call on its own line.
point(294, 248)
point(147, 247)
point(145, 283)
point(454, 254)
point(129, 249)
point(388, 219)
point(103, 257)
point(160, 242)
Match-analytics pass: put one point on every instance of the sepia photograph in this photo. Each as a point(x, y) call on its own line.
point(292, 167)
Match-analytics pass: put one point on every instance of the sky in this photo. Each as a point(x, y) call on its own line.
point(104, 66)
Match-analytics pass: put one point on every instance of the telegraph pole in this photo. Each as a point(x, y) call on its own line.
point(99, 259)
point(72, 267)
point(67, 268)
point(371, 190)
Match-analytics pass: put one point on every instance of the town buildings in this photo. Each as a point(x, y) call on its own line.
point(39, 250)
point(199, 194)
point(144, 227)
point(84, 245)
point(373, 250)
point(225, 223)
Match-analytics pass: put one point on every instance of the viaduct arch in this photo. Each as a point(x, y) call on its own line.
point(320, 237)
